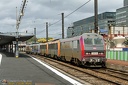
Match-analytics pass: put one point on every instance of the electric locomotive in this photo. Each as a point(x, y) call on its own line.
point(87, 49)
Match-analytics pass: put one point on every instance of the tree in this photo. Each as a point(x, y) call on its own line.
point(43, 40)
point(40, 40)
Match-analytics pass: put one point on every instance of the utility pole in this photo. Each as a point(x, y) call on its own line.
point(46, 31)
point(35, 35)
point(62, 25)
point(96, 16)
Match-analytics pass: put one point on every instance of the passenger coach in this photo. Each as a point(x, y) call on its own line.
point(54, 49)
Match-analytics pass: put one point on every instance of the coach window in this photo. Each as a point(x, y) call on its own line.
point(45, 46)
point(78, 44)
point(52, 46)
point(74, 44)
point(56, 46)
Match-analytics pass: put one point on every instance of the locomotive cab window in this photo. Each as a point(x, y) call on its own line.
point(88, 41)
point(98, 41)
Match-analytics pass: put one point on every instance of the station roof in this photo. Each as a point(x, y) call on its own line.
point(6, 38)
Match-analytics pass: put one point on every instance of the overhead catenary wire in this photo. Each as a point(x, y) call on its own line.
point(77, 8)
point(55, 22)
point(41, 31)
point(71, 12)
point(67, 15)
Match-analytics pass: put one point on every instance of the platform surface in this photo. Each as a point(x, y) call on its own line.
point(27, 71)
point(117, 64)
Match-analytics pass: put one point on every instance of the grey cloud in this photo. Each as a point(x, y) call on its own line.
point(42, 11)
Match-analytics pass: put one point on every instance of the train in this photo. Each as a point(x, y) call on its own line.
point(87, 49)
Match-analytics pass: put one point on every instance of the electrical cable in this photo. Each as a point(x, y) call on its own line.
point(77, 9)
point(67, 15)
point(71, 12)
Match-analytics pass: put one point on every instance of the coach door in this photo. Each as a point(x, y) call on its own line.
point(75, 49)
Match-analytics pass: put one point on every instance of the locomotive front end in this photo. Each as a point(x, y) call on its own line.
point(94, 51)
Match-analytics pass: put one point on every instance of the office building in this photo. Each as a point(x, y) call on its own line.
point(125, 2)
point(86, 25)
point(122, 15)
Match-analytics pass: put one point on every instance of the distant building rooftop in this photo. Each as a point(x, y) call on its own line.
point(105, 15)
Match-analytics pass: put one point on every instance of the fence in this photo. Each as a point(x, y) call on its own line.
point(117, 54)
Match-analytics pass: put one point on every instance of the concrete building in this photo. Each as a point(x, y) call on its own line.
point(86, 25)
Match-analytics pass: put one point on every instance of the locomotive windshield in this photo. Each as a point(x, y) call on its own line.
point(88, 41)
point(93, 41)
point(98, 41)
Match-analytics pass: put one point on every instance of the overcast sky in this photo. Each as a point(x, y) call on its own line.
point(38, 12)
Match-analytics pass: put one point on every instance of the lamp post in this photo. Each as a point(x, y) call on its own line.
point(18, 20)
point(35, 35)
point(17, 26)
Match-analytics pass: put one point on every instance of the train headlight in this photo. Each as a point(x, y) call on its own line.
point(88, 53)
point(94, 53)
point(90, 60)
point(101, 53)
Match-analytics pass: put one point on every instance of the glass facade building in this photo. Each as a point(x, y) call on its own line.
point(122, 15)
point(86, 25)
point(125, 2)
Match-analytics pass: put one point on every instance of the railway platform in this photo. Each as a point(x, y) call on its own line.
point(117, 58)
point(117, 64)
point(27, 71)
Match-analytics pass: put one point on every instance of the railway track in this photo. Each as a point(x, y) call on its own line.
point(115, 73)
point(92, 76)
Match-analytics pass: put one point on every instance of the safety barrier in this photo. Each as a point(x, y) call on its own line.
point(117, 54)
